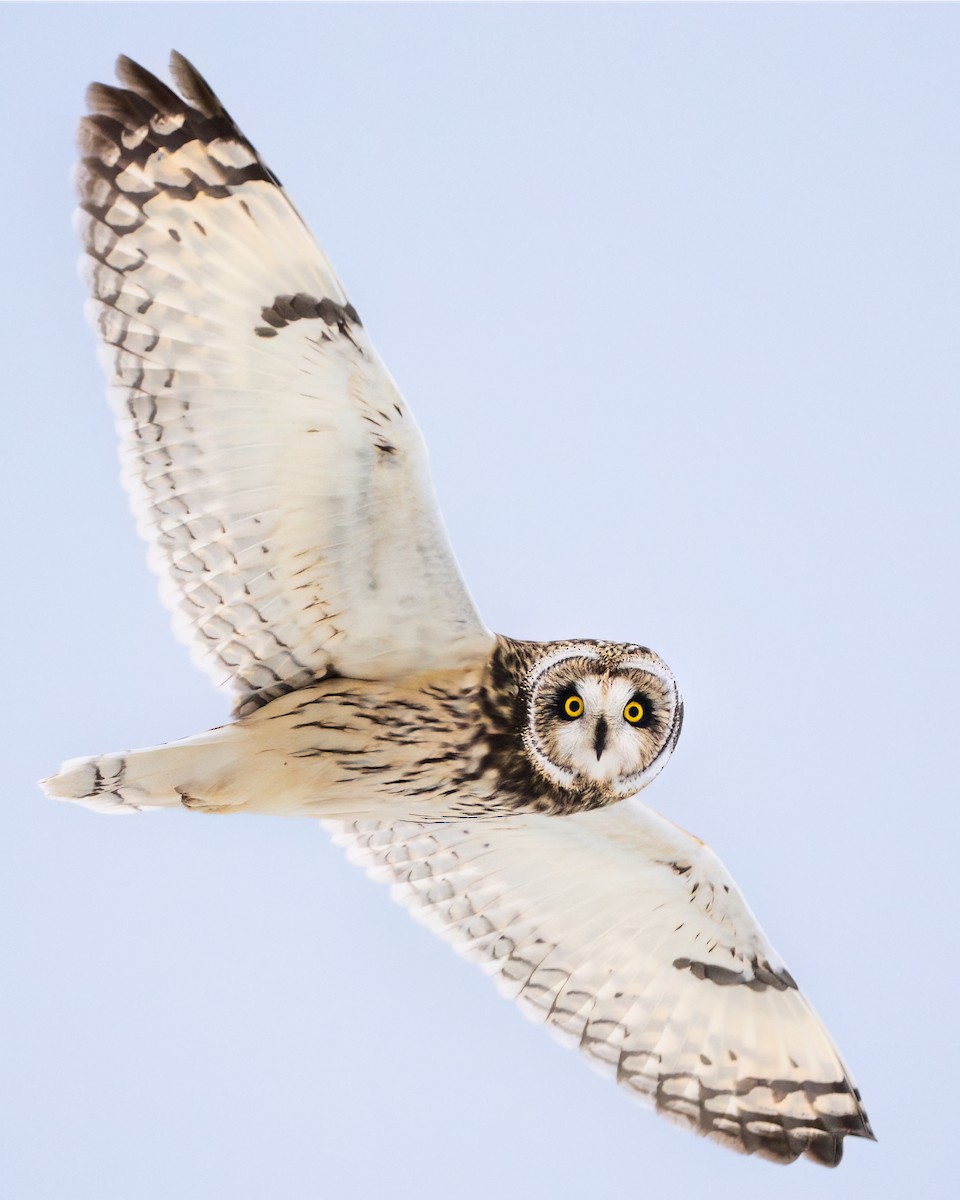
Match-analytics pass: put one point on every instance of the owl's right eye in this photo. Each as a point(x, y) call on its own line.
point(571, 706)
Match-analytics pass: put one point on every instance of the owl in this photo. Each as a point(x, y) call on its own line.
point(282, 486)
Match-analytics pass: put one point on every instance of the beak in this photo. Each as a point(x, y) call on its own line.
point(600, 736)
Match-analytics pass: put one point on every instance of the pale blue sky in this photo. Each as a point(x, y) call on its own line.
point(673, 292)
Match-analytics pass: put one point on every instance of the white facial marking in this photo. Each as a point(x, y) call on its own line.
point(621, 751)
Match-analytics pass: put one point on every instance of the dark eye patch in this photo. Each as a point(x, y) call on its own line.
point(649, 710)
point(569, 704)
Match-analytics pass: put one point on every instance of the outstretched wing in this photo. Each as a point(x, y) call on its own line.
point(628, 938)
point(273, 465)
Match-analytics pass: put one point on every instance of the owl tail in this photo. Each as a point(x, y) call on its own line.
point(176, 775)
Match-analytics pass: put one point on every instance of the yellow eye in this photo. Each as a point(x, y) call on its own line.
point(633, 712)
point(573, 707)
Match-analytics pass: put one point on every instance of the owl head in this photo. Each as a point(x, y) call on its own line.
point(601, 717)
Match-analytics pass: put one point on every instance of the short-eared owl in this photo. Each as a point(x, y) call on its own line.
point(283, 487)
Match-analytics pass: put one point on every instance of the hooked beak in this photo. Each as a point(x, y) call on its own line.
point(600, 736)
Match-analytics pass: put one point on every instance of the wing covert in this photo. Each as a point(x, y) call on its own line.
point(272, 464)
point(628, 939)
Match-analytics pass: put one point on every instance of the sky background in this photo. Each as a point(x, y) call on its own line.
point(674, 294)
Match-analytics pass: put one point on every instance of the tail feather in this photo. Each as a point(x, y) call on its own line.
point(98, 783)
point(274, 761)
point(171, 776)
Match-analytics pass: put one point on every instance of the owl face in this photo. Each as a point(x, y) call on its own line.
point(602, 715)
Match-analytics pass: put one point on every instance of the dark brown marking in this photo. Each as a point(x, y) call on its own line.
point(285, 310)
point(677, 869)
point(763, 976)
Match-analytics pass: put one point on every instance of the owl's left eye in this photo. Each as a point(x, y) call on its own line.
point(637, 710)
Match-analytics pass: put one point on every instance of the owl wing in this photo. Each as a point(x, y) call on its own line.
point(628, 938)
point(272, 464)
